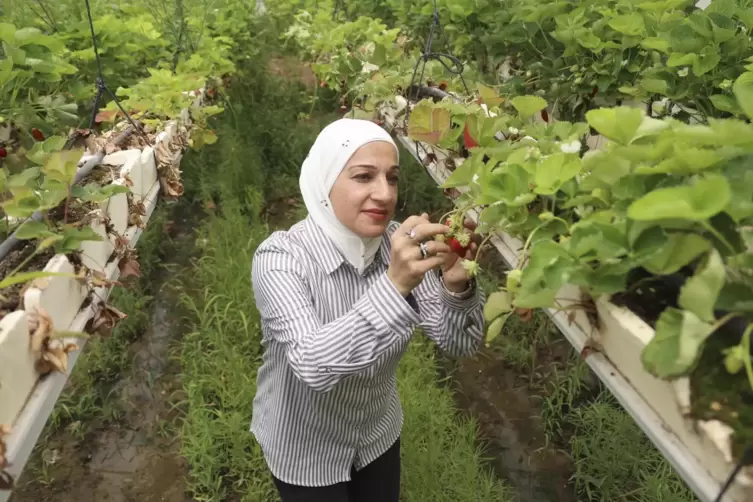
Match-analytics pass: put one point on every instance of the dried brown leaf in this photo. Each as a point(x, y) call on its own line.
point(40, 327)
point(129, 266)
point(106, 319)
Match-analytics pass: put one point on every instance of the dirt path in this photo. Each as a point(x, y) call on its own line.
point(509, 420)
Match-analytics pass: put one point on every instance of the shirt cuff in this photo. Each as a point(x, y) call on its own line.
point(392, 310)
point(466, 300)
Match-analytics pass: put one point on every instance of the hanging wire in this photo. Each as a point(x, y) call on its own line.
point(451, 63)
point(102, 87)
point(745, 460)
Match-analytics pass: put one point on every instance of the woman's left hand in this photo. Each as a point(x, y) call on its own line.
point(455, 276)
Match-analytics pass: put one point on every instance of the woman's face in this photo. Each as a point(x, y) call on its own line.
point(364, 196)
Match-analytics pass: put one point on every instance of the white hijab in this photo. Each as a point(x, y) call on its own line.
point(327, 158)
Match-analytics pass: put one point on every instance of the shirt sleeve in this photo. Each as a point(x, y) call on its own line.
point(321, 354)
point(454, 321)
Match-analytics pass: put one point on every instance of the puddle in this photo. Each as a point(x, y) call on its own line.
point(137, 458)
point(511, 429)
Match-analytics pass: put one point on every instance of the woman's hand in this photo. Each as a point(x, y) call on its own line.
point(407, 265)
point(454, 275)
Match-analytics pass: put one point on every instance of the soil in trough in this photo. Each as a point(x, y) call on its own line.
point(136, 457)
point(11, 296)
point(715, 393)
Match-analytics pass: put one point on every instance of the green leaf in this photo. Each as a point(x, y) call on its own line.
point(724, 103)
point(699, 293)
point(555, 170)
point(528, 106)
point(628, 24)
point(679, 250)
point(497, 304)
point(548, 269)
point(33, 230)
point(61, 166)
point(697, 202)
point(706, 61)
point(428, 123)
point(495, 328)
point(489, 96)
point(743, 89)
point(674, 350)
point(40, 152)
point(618, 124)
point(94, 193)
point(29, 276)
point(655, 43)
point(73, 237)
point(462, 176)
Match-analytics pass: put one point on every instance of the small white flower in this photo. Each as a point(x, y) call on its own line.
point(683, 72)
point(659, 107)
point(572, 147)
point(368, 67)
point(513, 130)
point(475, 178)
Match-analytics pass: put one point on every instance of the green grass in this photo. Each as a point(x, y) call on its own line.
point(613, 460)
point(261, 145)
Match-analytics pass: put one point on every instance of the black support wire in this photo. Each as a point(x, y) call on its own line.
point(102, 86)
point(13, 241)
point(745, 460)
point(449, 61)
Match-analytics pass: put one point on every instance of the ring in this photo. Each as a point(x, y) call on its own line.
point(424, 250)
point(411, 233)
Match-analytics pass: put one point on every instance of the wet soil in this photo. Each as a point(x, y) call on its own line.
point(508, 413)
point(102, 174)
point(136, 458)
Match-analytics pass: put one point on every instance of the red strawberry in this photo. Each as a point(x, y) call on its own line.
point(443, 85)
point(37, 134)
point(545, 115)
point(322, 84)
point(3, 152)
point(468, 139)
point(457, 248)
point(455, 245)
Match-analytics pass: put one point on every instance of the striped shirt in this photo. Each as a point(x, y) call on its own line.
point(327, 395)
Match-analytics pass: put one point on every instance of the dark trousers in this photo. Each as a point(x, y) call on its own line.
point(377, 482)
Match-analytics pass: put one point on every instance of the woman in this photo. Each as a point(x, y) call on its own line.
point(340, 295)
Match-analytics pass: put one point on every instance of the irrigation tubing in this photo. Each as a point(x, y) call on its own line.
point(86, 164)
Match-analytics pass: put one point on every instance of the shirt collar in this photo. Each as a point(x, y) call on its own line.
point(330, 258)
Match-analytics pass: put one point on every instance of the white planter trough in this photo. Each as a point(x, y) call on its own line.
point(699, 451)
point(26, 400)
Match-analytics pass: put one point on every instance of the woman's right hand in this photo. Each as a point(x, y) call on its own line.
point(407, 266)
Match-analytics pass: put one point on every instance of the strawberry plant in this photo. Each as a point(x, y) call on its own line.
point(658, 219)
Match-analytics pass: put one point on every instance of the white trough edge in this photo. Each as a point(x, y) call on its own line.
point(691, 470)
point(32, 419)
